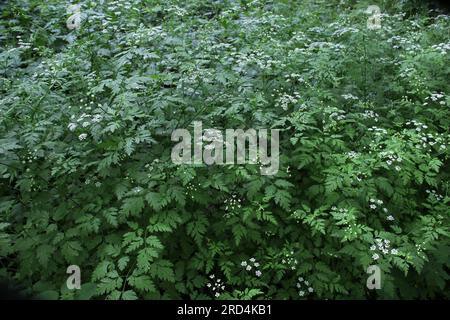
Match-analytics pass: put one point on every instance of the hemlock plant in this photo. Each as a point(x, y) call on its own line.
point(86, 175)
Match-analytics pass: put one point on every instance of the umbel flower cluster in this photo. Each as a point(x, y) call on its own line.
point(92, 91)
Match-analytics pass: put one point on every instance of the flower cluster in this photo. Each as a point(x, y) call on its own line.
point(353, 154)
point(435, 195)
point(369, 114)
point(216, 285)
point(427, 140)
point(349, 96)
point(378, 131)
point(302, 282)
point(377, 203)
point(382, 247)
point(190, 188)
point(294, 77)
point(252, 263)
point(285, 100)
point(22, 44)
point(338, 115)
point(30, 157)
point(391, 159)
point(436, 97)
point(289, 260)
point(84, 120)
point(441, 47)
point(231, 204)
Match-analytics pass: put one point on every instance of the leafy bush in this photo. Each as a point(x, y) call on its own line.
point(87, 179)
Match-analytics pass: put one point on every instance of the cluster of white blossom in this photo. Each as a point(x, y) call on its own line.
point(420, 248)
point(141, 36)
point(378, 204)
point(391, 159)
point(252, 263)
point(22, 44)
point(294, 77)
point(338, 115)
point(285, 100)
point(85, 119)
point(245, 59)
point(369, 114)
point(190, 188)
point(399, 42)
point(436, 97)
point(289, 260)
point(378, 131)
point(342, 211)
point(353, 154)
point(288, 171)
point(232, 203)
point(342, 30)
point(407, 72)
point(302, 282)
point(443, 48)
point(427, 140)
point(382, 247)
point(349, 96)
point(181, 12)
point(435, 195)
point(216, 285)
point(29, 157)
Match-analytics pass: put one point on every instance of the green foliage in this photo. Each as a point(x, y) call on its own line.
point(87, 178)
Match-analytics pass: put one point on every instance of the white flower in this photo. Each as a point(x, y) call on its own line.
point(85, 124)
point(307, 283)
point(208, 285)
point(252, 259)
point(211, 276)
point(375, 256)
point(256, 264)
point(258, 273)
point(390, 218)
point(310, 289)
point(97, 118)
point(82, 136)
point(244, 263)
point(248, 268)
point(372, 206)
point(394, 251)
point(301, 293)
point(374, 247)
point(72, 126)
point(300, 279)
point(217, 294)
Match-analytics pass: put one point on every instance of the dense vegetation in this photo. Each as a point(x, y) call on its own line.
point(85, 141)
